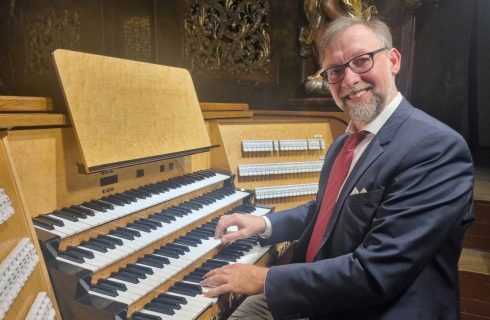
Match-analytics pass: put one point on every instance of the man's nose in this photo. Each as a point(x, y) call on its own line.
point(350, 77)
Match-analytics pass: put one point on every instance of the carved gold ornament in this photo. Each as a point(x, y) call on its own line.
point(228, 36)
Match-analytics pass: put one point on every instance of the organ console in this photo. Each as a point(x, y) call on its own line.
point(121, 203)
point(124, 202)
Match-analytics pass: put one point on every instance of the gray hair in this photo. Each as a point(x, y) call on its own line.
point(339, 25)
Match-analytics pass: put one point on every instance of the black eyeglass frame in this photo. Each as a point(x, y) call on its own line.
point(347, 64)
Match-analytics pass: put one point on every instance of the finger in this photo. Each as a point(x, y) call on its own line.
point(223, 223)
point(214, 292)
point(217, 271)
point(229, 237)
point(214, 281)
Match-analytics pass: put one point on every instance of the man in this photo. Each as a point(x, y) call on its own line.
point(390, 243)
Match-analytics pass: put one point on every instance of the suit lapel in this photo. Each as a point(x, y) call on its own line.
point(372, 152)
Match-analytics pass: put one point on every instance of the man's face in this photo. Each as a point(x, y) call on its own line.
point(362, 96)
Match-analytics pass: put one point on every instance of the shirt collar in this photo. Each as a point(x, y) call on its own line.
point(375, 125)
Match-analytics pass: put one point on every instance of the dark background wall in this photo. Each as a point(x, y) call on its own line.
point(444, 44)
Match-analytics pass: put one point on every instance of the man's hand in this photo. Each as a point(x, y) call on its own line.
point(238, 278)
point(247, 225)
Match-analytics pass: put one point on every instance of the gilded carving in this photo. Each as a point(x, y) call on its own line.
point(137, 38)
point(228, 36)
point(319, 13)
point(46, 31)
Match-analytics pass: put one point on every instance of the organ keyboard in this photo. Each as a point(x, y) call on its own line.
point(139, 256)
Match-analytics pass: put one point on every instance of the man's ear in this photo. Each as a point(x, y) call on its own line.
point(395, 58)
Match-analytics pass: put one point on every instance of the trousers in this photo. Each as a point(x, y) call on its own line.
point(253, 308)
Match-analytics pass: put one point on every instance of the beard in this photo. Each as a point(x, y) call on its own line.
point(363, 111)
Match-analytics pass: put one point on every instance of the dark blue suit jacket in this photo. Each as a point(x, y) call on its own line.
point(391, 252)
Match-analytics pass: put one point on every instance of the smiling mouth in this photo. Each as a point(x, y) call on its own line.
point(356, 94)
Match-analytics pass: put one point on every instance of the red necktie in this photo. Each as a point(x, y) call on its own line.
point(337, 176)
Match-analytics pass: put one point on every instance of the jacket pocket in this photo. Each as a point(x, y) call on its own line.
point(358, 213)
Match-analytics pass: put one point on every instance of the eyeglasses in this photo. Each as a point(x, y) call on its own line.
point(359, 64)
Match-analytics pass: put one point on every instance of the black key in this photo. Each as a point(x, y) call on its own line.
point(160, 217)
point(123, 276)
point(120, 234)
point(83, 210)
point(70, 217)
point(151, 263)
point(177, 247)
point(116, 285)
point(225, 257)
point(115, 241)
point(137, 273)
point(144, 316)
point(132, 232)
point(172, 216)
point(94, 206)
point(189, 286)
point(42, 224)
point(114, 201)
point(216, 263)
point(139, 227)
point(157, 258)
point(71, 257)
point(145, 224)
point(191, 206)
point(84, 253)
point(170, 304)
point(155, 224)
point(140, 194)
point(134, 267)
point(125, 197)
point(144, 191)
point(157, 307)
point(167, 253)
point(103, 204)
point(51, 220)
point(171, 297)
point(195, 278)
point(150, 190)
point(193, 237)
point(94, 246)
point(104, 243)
point(104, 290)
point(187, 242)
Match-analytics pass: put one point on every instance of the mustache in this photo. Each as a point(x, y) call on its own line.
point(345, 92)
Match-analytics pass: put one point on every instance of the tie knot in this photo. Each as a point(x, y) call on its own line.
point(354, 138)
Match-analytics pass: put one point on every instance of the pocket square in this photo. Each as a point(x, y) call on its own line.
point(354, 191)
point(363, 191)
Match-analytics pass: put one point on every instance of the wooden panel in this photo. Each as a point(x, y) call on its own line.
point(25, 104)
point(478, 234)
point(125, 110)
point(16, 227)
point(8, 120)
point(475, 294)
point(47, 161)
point(475, 261)
point(216, 106)
point(208, 115)
point(338, 120)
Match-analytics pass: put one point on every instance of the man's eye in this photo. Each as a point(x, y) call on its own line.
point(361, 62)
point(335, 72)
